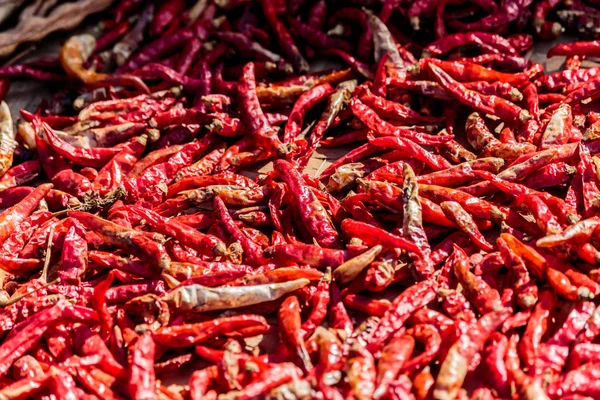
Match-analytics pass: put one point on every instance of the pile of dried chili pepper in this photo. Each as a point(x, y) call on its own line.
point(450, 252)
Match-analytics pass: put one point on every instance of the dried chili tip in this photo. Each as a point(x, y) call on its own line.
point(583, 293)
point(235, 252)
point(415, 23)
point(547, 29)
point(515, 95)
point(524, 115)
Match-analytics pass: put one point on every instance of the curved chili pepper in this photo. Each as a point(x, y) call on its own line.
point(312, 255)
point(289, 320)
point(133, 241)
point(414, 297)
point(393, 357)
point(484, 103)
point(310, 208)
point(450, 42)
point(286, 43)
point(186, 235)
point(383, 128)
point(304, 103)
point(74, 53)
point(95, 157)
point(455, 366)
point(526, 290)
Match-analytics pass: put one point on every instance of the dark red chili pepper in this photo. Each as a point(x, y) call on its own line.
point(286, 43)
point(415, 297)
point(487, 104)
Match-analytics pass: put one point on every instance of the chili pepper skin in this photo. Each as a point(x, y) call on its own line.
point(456, 213)
point(252, 251)
point(393, 355)
point(434, 161)
point(73, 262)
point(393, 110)
point(372, 121)
point(455, 366)
point(372, 307)
point(310, 208)
point(527, 292)
point(16, 345)
point(482, 296)
point(252, 113)
point(401, 308)
point(553, 356)
point(467, 72)
point(199, 332)
point(186, 235)
point(199, 298)
point(361, 372)
point(558, 128)
point(304, 103)
point(371, 235)
point(142, 384)
point(306, 254)
point(12, 217)
point(446, 44)
point(130, 240)
point(484, 103)
point(286, 43)
point(289, 319)
point(591, 49)
point(337, 315)
point(88, 157)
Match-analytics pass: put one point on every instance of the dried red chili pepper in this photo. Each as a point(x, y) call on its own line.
point(415, 297)
point(142, 384)
point(74, 53)
point(491, 105)
point(132, 241)
point(455, 366)
point(286, 43)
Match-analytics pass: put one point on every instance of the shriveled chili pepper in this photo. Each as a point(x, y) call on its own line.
point(74, 53)
point(393, 356)
point(401, 308)
point(490, 105)
point(455, 366)
point(286, 43)
point(310, 208)
point(136, 242)
point(304, 103)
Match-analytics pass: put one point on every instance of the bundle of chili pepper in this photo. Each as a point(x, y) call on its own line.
point(450, 250)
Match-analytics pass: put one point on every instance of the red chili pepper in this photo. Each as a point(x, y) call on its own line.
point(415, 297)
point(142, 385)
point(484, 103)
point(304, 103)
point(93, 157)
point(112, 35)
point(286, 43)
point(184, 234)
point(590, 49)
point(309, 207)
point(455, 366)
point(450, 42)
point(526, 290)
point(369, 117)
point(393, 356)
point(165, 15)
point(133, 241)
